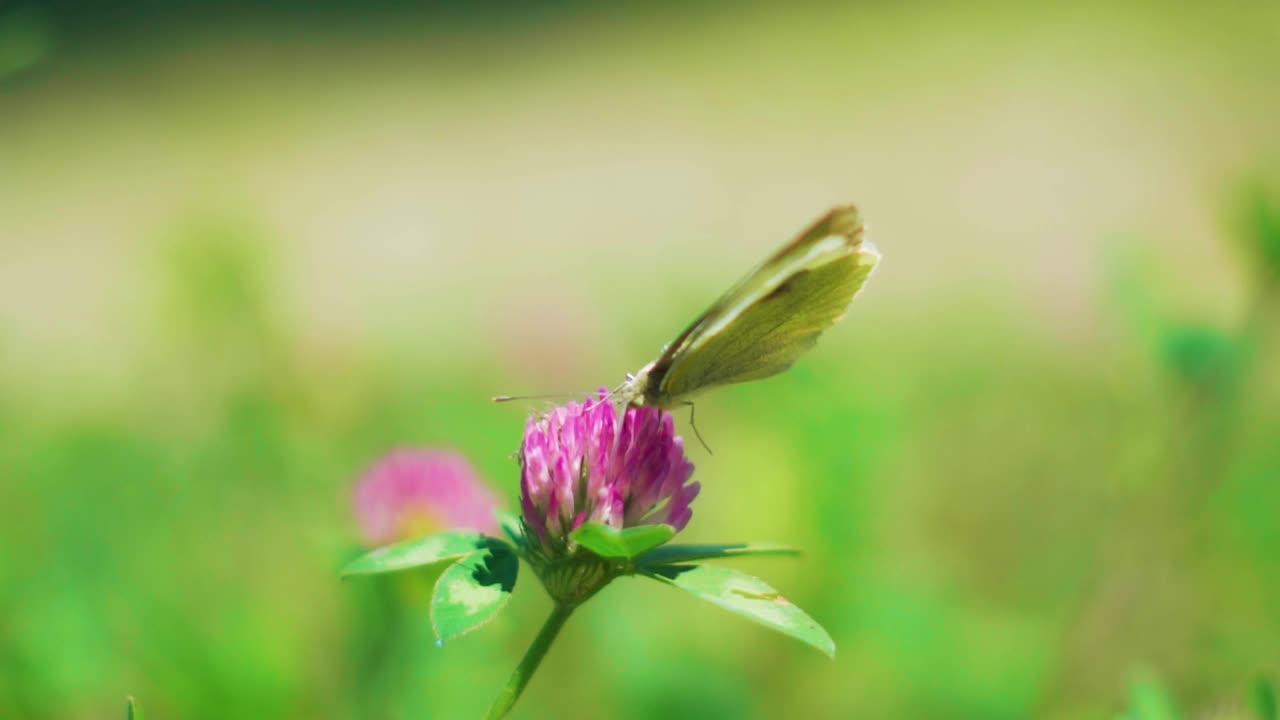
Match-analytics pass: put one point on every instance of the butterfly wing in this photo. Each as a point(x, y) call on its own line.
point(773, 316)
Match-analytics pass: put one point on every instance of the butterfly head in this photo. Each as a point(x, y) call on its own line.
point(633, 390)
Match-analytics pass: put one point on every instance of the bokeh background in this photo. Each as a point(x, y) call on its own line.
point(245, 251)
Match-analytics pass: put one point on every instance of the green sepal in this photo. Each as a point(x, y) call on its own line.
point(133, 711)
point(422, 551)
point(511, 525)
point(608, 542)
point(472, 591)
point(747, 596)
point(674, 554)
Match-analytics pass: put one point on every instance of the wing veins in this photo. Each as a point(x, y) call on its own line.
point(852, 231)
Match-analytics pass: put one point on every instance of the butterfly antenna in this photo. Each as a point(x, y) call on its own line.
point(544, 396)
point(622, 386)
point(694, 425)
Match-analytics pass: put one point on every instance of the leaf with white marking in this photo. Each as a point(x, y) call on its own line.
point(419, 552)
point(472, 591)
point(747, 596)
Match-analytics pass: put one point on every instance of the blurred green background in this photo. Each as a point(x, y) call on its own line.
point(244, 251)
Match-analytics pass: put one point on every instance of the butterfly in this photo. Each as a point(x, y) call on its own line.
point(762, 325)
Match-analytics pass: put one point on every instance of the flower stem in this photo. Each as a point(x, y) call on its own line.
point(532, 658)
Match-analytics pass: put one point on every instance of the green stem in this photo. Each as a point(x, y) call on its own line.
point(532, 658)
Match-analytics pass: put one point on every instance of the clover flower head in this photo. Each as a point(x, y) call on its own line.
point(581, 463)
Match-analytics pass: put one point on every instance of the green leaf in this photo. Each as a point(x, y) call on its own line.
point(472, 591)
point(134, 710)
point(1263, 700)
point(747, 596)
point(612, 543)
point(672, 554)
point(416, 553)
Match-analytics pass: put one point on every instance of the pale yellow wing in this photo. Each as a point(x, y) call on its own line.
point(771, 317)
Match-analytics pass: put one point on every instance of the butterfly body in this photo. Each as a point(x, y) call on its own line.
point(765, 322)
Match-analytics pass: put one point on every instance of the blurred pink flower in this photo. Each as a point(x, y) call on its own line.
point(410, 493)
point(579, 463)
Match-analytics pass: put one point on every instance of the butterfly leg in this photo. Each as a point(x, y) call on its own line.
point(695, 428)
